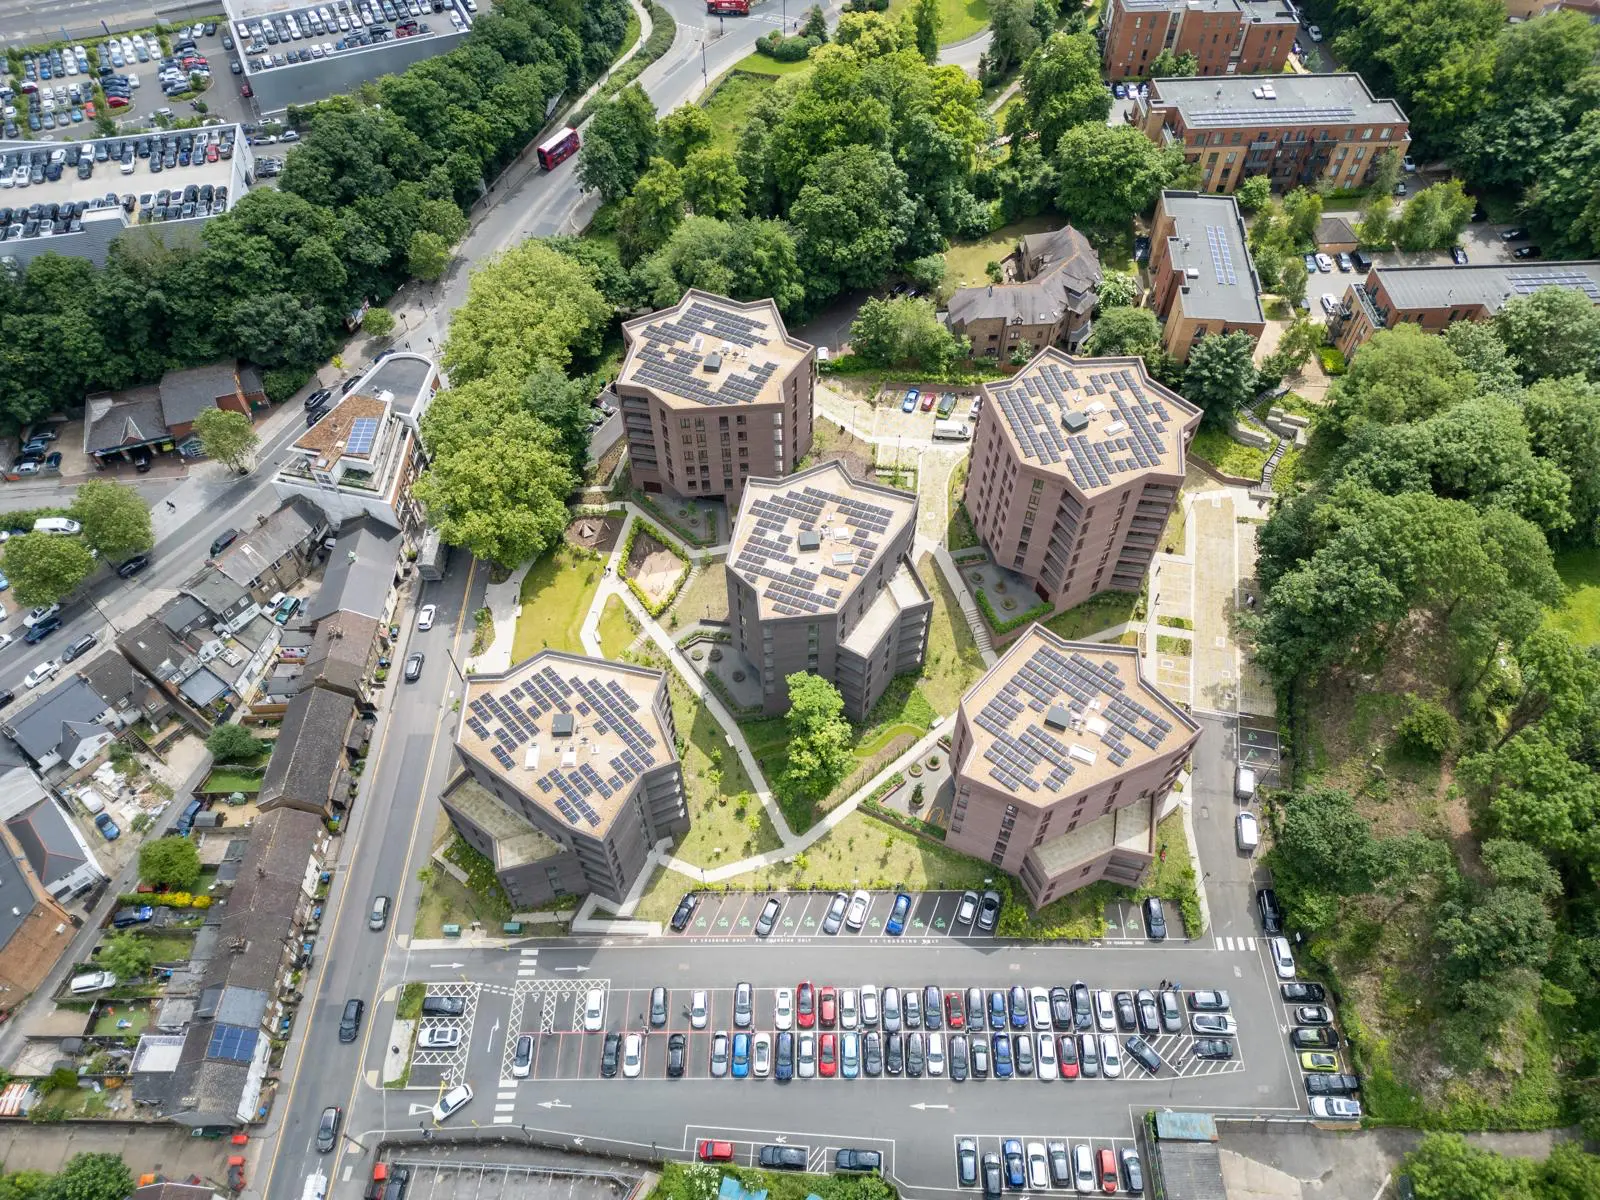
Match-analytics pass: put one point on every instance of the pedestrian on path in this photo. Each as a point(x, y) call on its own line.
point(172, 506)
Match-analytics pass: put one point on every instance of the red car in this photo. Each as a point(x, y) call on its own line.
point(929, 399)
point(1108, 1172)
point(88, 110)
point(827, 1003)
point(828, 1056)
point(212, 154)
point(1067, 1056)
point(805, 1005)
point(953, 1014)
point(710, 1151)
point(246, 90)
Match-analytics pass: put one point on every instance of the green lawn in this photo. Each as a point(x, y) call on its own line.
point(617, 628)
point(1227, 455)
point(861, 852)
point(109, 1021)
point(726, 821)
point(167, 947)
point(706, 598)
point(965, 261)
point(953, 663)
point(1093, 615)
point(758, 63)
point(631, 35)
point(728, 105)
point(555, 599)
point(958, 19)
point(1580, 615)
point(227, 780)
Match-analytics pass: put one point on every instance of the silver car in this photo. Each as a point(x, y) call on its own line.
point(743, 1013)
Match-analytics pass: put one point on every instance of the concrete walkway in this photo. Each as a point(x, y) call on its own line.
point(969, 606)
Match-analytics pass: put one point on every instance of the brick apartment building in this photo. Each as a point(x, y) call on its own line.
point(1204, 279)
point(1075, 468)
point(820, 580)
point(1063, 755)
point(1436, 297)
point(1295, 129)
point(1049, 301)
point(571, 775)
point(1227, 37)
point(714, 392)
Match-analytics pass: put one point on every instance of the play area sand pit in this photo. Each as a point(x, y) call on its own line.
point(595, 533)
point(653, 567)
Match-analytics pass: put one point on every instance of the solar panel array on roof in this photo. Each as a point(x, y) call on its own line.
point(1228, 114)
point(1036, 404)
point(793, 589)
point(507, 720)
point(233, 1043)
point(1048, 682)
point(1221, 255)
point(1525, 282)
point(669, 356)
point(363, 433)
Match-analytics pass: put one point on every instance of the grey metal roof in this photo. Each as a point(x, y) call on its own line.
point(1191, 1171)
point(403, 375)
point(40, 728)
point(203, 688)
point(360, 570)
point(1224, 101)
point(1488, 284)
point(1333, 230)
point(52, 850)
point(1208, 245)
point(183, 613)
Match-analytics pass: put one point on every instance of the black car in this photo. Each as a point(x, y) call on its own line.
point(1132, 1174)
point(6, 697)
point(1149, 1017)
point(966, 1162)
point(1141, 1050)
point(1331, 1085)
point(685, 911)
point(444, 1006)
point(858, 1160)
point(1271, 913)
point(609, 1054)
point(1321, 1037)
point(328, 1129)
point(1303, 993)
point(79, 648)
point(677, 1050)
point(344, 388)
point(350, 1022)
point(958, 1058)
point(658, 1007)
point(989, 911)
point(224, 539)
point(1458, 256)
point(1022, 1054)
point(1127, 1016)
point(1527, 252)
point(932, 1008)
point(1155, 920)
point(414, 668)
point(319, 398)
point(1060, 1008)
point(769, 916)
point(915, 1058)
point(1213, 1048)
point(1060, 1164)
point(872, 1053)
point(1082, 1011)
point(784, 1158)
point(41, 630)
point(894, 1060)
point(992, 1183)
point(1514, 235)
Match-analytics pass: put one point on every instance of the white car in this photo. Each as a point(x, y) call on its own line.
point(1083, 1169)
point(1330, 304)
point(806, 1056)
point(1282, 958)
point(1039, 1002)
point(5, 640)
point(35, 615)
point(935, 1059)
point(1045, 1059)
point(452, 1102)
point(1314, 32)
point(1038, 1168)
point(594, 1010)
point(761, 1055)
point(1246, 833)
point(1110, 1056)
point(849, 1010)
point(783, 1014)
point(856, 915)
point(439, 1037)
point(632, 1056)
point(1324, 263)
point(1335, 1108)
point(699, 1010)
point(1105, 1011)
point(45, 670)
point(425, 616)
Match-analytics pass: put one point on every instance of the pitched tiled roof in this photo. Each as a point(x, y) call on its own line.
point(309, 752)
point(128, 418)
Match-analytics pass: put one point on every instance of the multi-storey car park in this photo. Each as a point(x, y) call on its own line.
point(1076, 465)
point(571, 775)
point(714, 393)
point(820, 580)
point(1064, 757)
point(76, 198)
point(294, 53)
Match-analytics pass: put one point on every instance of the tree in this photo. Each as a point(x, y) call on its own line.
point(1434, 217)
point(126, 955)
point(1323, 840)
point(170, 862)
point(1504, 929)
point(427, 256)
point(227, 436)
point(115, 519)
point(871, 35)
point(1385, 174)
point(620, 142)
point(1120, 331)
point(815, 24)
point(712, 185)
point(1482, 353)
point(684, 130)
point(903, 332)
point(27, 1185)
point(819, 737)
point(1401, 374)
point(746, 260)
point(651, 212)
point(1445, 1167)
point(1014, 36)
point(91, 1176)
point(379, 322)
point(1302, 210)
point(1562, 205)
point(563, 406)
point(1220, 376)
point(1553, 332)
point(44, 569)
point(1253, 193)
point(1295, 345)
point(1108, 175)
point(926, 20)
point(927, 272)
point(233, 743)
point(1563, 418)
point(1061, 87)
point(1427, 730)
point(1515, 864)
point(851, 218)
point(1168, 65)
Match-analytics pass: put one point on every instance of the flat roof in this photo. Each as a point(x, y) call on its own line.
point(1208, 245)
point(1128, 827)
point(708, 350)
point(331, 438)
point(572, 734)
point(1253, 10)
point(108, 178)
point(1095, 421)
point(1488, 284)
point(516, 843)
point(805, 543)
point(1223, 101)
point(404, 375)
point(1053, 717)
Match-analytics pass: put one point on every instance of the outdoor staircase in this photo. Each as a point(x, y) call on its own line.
point(969, 606)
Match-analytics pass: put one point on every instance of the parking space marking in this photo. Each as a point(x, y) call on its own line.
point(722, 918)
point(454, 1060)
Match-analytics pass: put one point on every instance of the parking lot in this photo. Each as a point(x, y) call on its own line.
point(732, 916)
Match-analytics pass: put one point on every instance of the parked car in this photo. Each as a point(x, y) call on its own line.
point(1458, 255)
point(107, 827)
point(909, 404)
point(1334, 1108)
point(685, 911)
point(425, 616)
point(1304, 992)
point(1271, 913)
point(414, 668)
point(1527, 252)
point(1331, 1085)
point(80, 647)
point(1155, 919)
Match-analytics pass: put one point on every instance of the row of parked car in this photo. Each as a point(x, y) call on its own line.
point(1048, 1164)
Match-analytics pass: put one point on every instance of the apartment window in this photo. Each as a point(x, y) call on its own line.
point(683, 422)
point(739, 420)
point(688, 439)
point(1366, 135)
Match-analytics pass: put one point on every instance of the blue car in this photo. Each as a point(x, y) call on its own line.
point(909, 404)
point(1019, 1006)
point(741, 1055)
point(107, 827)
point(1002, 1056)
point(898, 914)
point(1012, 1152)
point(997, 1010)
point(4, 582)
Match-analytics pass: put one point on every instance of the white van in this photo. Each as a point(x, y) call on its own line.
point(57, 526)
point(1246, 832)
point(1244, 783)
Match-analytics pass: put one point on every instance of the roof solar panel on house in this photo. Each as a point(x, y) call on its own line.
point(363, 433)
point(232, 1043)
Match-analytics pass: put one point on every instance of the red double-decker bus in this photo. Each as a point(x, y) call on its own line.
point(728, 8)
point(557, 148)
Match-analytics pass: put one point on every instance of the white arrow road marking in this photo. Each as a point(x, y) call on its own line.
point(488, 1043)
point(445, 966)
point(553, 1104)
point(924, 1106)
point(418, 1109)
point(578, 969)
point(577, 1141)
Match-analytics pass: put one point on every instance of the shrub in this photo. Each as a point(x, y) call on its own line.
point(1427, 730)
point(284, 382)
point(171, 862)
point(1332, 360)
point(1002, 627)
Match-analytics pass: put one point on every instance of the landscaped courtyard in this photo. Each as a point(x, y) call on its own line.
point(555, 598)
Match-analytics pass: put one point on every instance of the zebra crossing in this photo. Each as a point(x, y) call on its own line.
point(505, 1098)
point(1236, 943)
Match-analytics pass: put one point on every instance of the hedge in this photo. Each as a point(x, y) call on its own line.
point(1001, 628)
point(644, 502)
point(654, 608)
point(23, 518)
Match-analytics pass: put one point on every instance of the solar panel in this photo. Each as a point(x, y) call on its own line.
point(234, 1043)
point(363, 433)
